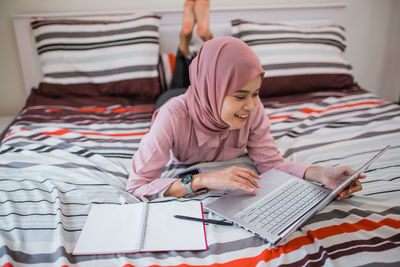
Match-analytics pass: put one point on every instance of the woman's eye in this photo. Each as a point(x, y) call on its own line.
point(240, 97)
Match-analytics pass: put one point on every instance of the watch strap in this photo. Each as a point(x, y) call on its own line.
point(188, 186)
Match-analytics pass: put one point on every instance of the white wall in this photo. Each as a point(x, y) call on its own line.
point(373, 45)
point(372, 31)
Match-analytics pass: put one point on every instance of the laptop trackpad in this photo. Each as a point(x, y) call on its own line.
point(238, 199)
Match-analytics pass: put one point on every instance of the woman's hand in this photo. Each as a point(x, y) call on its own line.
point(333, 177)
point(232, 177)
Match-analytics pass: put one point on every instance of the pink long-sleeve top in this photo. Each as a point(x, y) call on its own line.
point(173, 131)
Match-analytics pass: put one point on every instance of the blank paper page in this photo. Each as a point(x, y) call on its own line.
point(110, 229)
point(165, 232)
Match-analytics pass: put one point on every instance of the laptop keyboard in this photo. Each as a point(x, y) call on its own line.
point(275, 213)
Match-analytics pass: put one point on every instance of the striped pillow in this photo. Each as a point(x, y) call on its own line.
point(297, 58)
point(99, 55)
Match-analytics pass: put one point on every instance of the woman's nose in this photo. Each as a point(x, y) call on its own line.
point(250, 104)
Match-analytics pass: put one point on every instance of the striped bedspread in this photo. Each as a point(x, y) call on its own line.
point(59, 158)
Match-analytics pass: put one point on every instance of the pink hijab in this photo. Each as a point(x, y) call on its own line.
point(222, 66)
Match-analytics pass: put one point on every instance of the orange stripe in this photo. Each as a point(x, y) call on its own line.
point(102, 109)
point(8, 135)
point(52, 109)
point(309, 110)
point(58, 132)
point(90, 109)
point(12, 133)
point(171, 60)
point(120, 110)
point(65, 131)
point(116, 135)
point(294, 244)
point(279, 117)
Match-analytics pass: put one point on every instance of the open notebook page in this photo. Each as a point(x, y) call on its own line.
point(110, 229)
point(165, 232)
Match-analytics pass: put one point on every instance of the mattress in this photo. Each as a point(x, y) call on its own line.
point(61, 155)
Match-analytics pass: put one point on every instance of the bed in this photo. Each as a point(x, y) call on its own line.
point(71, 146)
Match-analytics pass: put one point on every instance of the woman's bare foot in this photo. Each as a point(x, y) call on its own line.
point(202, 14)
point(188, 19)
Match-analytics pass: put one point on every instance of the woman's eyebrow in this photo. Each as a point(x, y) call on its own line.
point(246, 91)
point(242, 91)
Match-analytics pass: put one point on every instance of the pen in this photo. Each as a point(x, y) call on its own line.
point(202, 220)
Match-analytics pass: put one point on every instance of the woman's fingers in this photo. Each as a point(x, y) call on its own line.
point(339, 197)
point(353, 187)
point(248, 175)
point(250, 172)
point(361, 176)
point(245, 186)
point(233, 177)
point(243, 178)
point(350, 171)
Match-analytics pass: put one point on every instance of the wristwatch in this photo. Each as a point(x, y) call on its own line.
point(187, 183)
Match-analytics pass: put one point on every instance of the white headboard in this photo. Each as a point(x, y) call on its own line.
point(170, 26)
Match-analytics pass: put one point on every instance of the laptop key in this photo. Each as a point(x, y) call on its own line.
point(251, 217)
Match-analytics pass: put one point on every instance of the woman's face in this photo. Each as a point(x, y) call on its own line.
point(236, 107)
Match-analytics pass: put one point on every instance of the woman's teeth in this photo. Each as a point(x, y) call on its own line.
point(241, 116)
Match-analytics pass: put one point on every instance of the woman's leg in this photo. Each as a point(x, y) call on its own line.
point(180, 77)
point(188, 21)
point(202, 14)
point(194, 11)
point(167, 95)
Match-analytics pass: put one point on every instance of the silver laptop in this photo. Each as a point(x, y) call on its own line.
point(282, 204)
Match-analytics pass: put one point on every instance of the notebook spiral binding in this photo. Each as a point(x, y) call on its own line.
point(143, 224)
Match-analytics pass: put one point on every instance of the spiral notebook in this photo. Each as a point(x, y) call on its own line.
point(141, 227)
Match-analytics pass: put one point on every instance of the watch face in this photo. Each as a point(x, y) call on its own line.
point(186, 179)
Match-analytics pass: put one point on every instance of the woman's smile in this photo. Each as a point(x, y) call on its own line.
point(241, 117)
point(237, 107)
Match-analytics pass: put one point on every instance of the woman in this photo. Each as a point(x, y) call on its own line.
point(218, 117)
